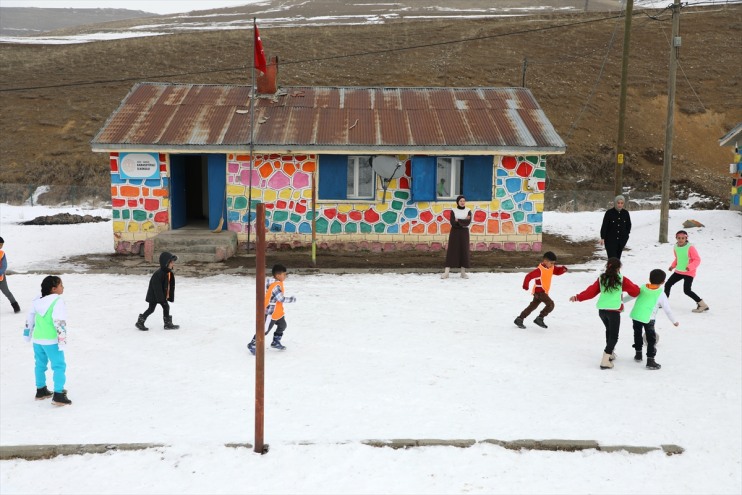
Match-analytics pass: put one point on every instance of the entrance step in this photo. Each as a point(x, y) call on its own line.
point(196, 245)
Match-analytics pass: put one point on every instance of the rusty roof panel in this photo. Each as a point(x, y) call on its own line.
point(453, 127)
point(441, 99)
point(273, 129)
point(326, 99)
point(393, 128)
point(142, 95)
point(389, 99)
point(184, 120)
point(505, 128)
point(301, 127)
point(483, 129)
point(331, 126)
point(361, 126)
point(169, 116)
point(238, 130)
point(414, 100)
point(356, 98)
point(424, 128)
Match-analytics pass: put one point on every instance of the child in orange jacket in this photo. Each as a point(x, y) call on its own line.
point(274, 300)
point(542, 276)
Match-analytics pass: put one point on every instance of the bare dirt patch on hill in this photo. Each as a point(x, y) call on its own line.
point(45, 132)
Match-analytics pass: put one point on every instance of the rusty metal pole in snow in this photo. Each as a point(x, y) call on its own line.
point(259, 328)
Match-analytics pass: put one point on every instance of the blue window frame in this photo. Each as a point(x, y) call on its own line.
point(346, 177)
point(473, 177)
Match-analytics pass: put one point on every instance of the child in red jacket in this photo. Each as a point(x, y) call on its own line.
point(610, 286)
point(542, 276)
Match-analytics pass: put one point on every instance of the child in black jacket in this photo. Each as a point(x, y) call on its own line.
point(161, 290)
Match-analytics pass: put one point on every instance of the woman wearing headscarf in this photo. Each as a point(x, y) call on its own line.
point(614, 233)
point(457, 255)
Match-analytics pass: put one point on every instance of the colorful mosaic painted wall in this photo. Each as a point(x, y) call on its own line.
point(140, 207)
point(511, 221)
point(735, 200)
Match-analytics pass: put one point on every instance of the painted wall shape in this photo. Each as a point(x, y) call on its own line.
point(140, 207)
point(511, 221)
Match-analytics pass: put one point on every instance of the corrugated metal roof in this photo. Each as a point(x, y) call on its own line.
point(732, 137)
point(191, 117)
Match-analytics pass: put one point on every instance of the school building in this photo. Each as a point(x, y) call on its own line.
point(384, 164)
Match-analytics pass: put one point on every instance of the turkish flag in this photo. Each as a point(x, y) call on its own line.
point(260, 63)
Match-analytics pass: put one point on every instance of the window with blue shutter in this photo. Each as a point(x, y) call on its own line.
point(477, 178)
point(423, 178)
point(333, 176)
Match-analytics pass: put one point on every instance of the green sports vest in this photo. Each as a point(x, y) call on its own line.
point(682, 255)
point(610, 299)
point(44, 327)
point(645, 304)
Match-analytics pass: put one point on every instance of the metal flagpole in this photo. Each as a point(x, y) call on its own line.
point(253, 92)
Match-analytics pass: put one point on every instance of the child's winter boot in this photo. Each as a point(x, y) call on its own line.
point(276, 344)
point(638, 356)
point(43, 393)
point(251, 346)
point(702, 306)
point(16, 308)
point(540, 322)
point(463, 273)
point(169, 323)
point(140, 322)
point(60, 399)
point(519, 322)
point(606, 363)
point(445, 272)
point(652, 364)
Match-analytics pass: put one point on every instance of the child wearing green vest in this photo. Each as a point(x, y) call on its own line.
point(685, 265)
point(609, 286)
point(650, 299)
point(46, 327)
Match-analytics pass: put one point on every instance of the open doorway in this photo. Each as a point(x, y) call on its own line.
point(197, 190)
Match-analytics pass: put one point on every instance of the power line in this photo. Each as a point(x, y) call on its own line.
point(314, 60)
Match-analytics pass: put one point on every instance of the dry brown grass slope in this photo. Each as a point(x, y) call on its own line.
point(45, 133)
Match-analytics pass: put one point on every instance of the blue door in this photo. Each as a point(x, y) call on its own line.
point(217, 188)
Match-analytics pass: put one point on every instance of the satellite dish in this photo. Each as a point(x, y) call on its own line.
point(387, 168)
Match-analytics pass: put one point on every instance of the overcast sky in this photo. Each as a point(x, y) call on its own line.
point(155, 6)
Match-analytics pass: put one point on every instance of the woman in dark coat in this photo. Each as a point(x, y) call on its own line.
point(457, 255)
point(614, 233)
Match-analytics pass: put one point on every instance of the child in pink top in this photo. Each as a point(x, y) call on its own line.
point(685, 265)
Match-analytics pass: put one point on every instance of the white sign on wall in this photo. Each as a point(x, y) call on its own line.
point(139, 165)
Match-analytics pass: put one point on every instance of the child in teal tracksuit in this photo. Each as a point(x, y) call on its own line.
point(46, 327)
point(651, 297)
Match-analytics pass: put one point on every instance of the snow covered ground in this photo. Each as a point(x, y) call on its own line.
point(378, 356)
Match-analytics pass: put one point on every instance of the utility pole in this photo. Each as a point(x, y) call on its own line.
point(667, 162)
point(618, 185)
